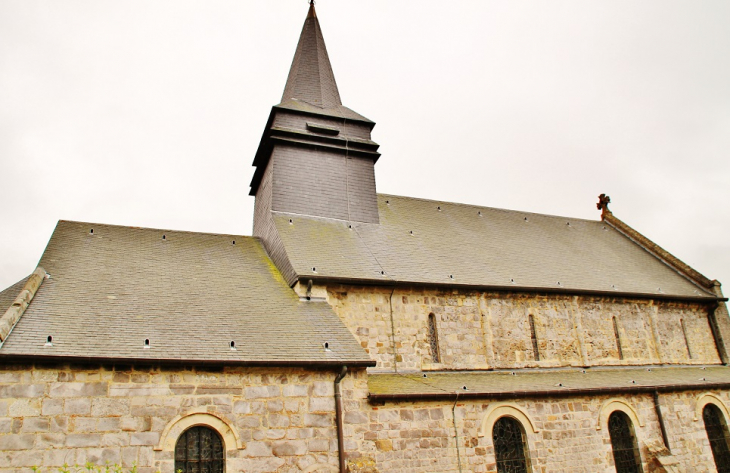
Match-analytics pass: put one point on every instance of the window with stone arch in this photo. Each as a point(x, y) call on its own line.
point(199, 450)
point(717, 434)
point(510, 446)
point(623, 441)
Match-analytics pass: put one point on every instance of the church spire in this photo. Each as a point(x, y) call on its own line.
point(311, 79)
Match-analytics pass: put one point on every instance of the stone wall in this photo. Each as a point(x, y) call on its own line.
point(420, 436)
point(282, 420)
point(491, 330)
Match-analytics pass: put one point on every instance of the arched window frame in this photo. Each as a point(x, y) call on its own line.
point(178, 425)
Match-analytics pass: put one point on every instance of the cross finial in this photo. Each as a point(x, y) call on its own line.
point(602, 205)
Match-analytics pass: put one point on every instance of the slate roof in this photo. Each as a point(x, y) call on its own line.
point(429, 242)
point(553, 383)
point(190, 294)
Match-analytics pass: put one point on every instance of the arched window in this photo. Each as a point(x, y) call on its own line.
point(625, 449)
point(199, 450)
point(433, 339)
point(510, 445)
point(718, 435)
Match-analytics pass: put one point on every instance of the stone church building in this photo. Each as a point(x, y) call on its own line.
point(362, 332)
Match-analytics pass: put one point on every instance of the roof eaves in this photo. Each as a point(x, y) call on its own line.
point(354, 363)
point(385, 281)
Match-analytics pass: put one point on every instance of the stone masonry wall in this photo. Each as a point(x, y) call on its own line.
point(55, 415)
point(284, 420)
point(489, 330)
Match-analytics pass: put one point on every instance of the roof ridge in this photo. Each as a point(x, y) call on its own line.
point(527, 212)
point(133, 227)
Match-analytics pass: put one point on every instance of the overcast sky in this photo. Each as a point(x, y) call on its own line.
point(148, 113)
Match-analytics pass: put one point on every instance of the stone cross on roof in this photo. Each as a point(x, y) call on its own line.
point(602, 205)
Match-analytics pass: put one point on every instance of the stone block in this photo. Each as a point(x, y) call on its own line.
point(275, 434)
point(25, 408)
point(83, 440)
point(355, 417)
point(321, 404)
point(384, 445)
point(74, 389)
point(287, 448)
point(138, 390)
point(52, 407)
point(51, 440)
point(81, 406)
point(22, 459)
point(277, 420)
point(108, 424)
point(241, 407)
point(6, 425)
point(295, 390)
point(17, 442)
point(258, 392)
point(83, 424)
point(22, 390)
point(318, 420)
point(59, 424)
point(318, 445)
point(144, 438)
point(258, 449)
point(203, 390)
point(107, 407)
point(323, 388)
point(35, 425)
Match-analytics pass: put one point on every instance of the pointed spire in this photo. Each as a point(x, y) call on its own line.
point(311, 79)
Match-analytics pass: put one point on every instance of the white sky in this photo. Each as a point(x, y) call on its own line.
point(148, 113)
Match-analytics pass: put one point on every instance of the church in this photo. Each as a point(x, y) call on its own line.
point(362, 332)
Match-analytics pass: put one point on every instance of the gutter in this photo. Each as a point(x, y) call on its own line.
point(338, 419)
point(36, 358)
point(547, 393)
point(511, 289)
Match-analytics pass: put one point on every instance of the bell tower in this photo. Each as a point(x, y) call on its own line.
point(315, 157)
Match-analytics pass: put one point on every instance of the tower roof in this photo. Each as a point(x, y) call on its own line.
point(311, 79)
point(311, 85)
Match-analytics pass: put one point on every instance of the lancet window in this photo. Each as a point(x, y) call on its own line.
point(533, 336)
point(433, 339)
